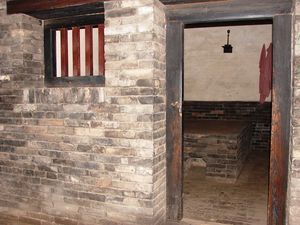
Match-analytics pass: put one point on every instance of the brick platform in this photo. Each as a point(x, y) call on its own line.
point(259, 115)
point(223, 145)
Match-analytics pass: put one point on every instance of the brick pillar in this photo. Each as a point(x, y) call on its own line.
point(21, 64)
point(293, 209)
point(135, 73)
point(21, 50)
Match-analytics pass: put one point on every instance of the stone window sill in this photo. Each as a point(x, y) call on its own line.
point(90, 81)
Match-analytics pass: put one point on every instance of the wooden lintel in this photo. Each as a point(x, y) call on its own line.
point(227, 11)
point(39, 8)
point(32, 6)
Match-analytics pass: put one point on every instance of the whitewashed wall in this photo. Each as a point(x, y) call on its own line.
point(211, 75)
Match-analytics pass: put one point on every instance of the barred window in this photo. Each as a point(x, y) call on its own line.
point(74, 53)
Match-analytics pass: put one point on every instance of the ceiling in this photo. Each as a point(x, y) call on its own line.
point(45, 9)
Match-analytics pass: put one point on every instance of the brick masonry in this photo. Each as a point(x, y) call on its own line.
point(258, 115)
point(85, 156)
point(293, 209)
point(223, 153)
point(89, 155)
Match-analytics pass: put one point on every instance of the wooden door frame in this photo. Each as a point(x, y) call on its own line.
point(280, 15)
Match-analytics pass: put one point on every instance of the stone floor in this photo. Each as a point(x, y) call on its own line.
point(243, 203)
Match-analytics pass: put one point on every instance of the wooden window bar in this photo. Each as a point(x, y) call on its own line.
point(78, 47)
point(76, 51)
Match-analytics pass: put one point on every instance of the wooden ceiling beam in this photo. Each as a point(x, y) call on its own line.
point(73, 11)
point(34, 6)
point(55, 9)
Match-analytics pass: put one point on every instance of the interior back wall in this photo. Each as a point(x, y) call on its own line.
point(211, 75)
point(219, 86)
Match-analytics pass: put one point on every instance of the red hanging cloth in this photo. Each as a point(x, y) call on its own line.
point(266, 71)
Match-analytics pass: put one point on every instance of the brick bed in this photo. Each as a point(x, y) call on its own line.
point(223, 145)
point(259, 115)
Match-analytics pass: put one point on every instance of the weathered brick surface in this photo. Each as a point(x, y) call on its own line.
point(223, 153)
point(136, 53)
point(85, 155)
point(259, 115)
point(294, 179)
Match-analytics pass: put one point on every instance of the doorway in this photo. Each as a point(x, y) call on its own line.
point(281, 95)
point(227, 131)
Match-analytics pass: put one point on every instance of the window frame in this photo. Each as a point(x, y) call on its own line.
point(50, 26)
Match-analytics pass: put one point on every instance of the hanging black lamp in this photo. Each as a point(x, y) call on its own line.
point(228, 47)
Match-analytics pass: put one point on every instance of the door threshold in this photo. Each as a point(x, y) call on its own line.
point(187, 221)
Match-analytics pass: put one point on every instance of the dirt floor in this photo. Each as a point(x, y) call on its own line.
point(207, 202)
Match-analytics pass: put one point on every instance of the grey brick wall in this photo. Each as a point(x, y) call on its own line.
point(94, 155)
point(85, 155)
point(294, 179)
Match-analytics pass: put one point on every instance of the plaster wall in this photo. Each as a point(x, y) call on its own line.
point(211, 75)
